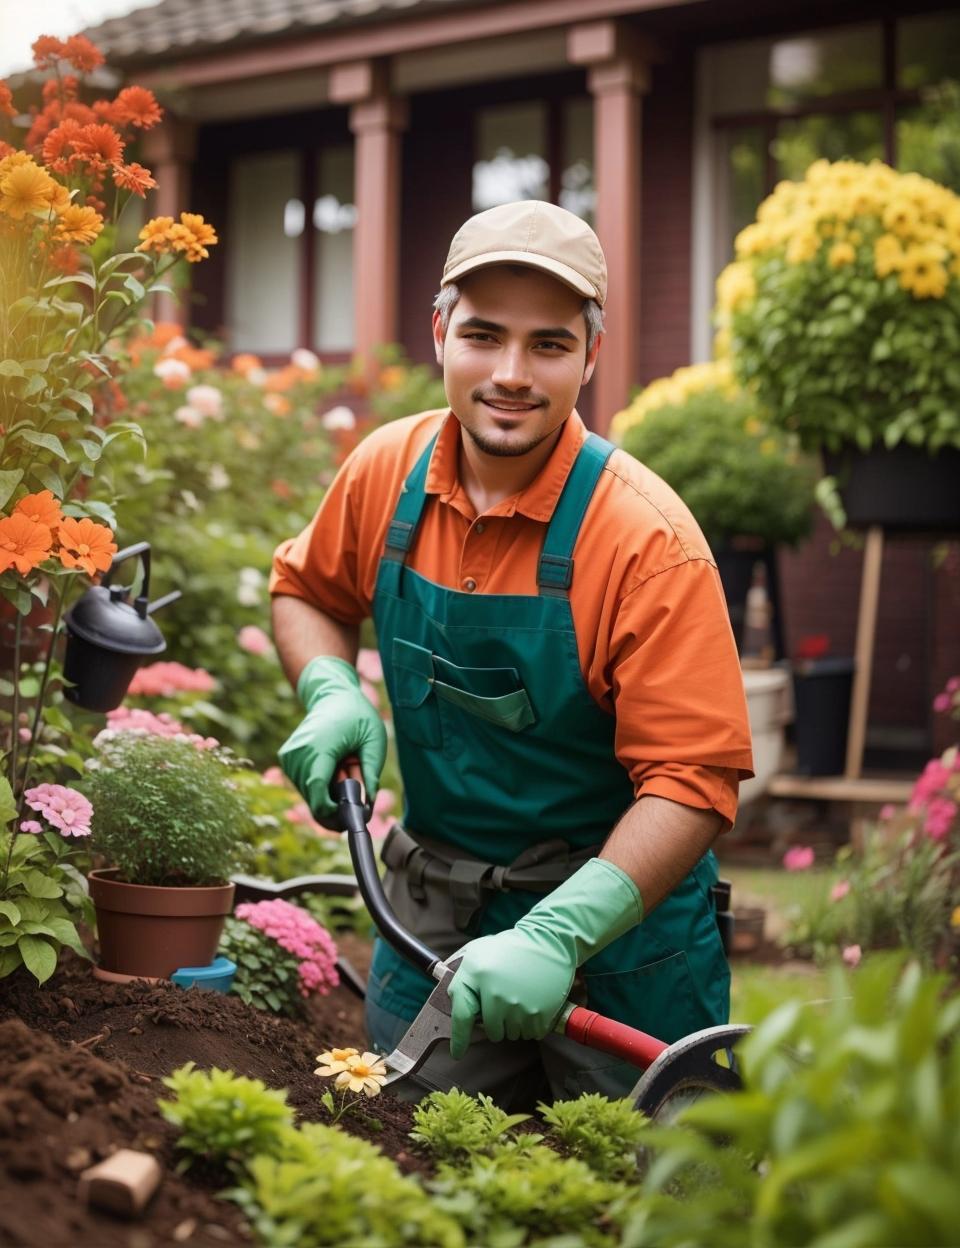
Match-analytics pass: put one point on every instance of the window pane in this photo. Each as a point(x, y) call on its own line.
point(334, 218)
point(848, 136)
point(928, 136)
point(759, 74)
point(741, 166)
point(577, 191)
point(263, 259)
point(511, 144)
point(928, 49)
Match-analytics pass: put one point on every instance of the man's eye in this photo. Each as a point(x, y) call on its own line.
point(555, 346)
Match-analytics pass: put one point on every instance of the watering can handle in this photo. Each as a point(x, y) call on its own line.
point(138, 548)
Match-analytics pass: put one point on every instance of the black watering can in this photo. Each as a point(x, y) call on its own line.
point(108, 638)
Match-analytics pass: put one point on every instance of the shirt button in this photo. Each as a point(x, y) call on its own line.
point(479, 526)
point(469, 584)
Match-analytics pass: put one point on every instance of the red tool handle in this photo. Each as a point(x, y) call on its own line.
point(592, 1029)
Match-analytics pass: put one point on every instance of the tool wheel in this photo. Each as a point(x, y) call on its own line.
point(703, 1062)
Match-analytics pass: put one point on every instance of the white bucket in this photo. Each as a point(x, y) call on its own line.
point(770, 706)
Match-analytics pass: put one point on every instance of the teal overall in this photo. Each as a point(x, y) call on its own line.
point(501, 747)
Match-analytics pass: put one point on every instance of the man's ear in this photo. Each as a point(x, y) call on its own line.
point(591, 361)
point(438, 336)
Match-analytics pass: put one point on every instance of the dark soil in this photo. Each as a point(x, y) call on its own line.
point(81, 1065)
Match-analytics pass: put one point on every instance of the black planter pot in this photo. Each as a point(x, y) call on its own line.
point(821, 699)
point(905, 489)
point(735, 563)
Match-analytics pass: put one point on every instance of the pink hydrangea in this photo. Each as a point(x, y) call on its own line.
point(64, 809)
point(798, 858)
point(143, 723)
point(254, 640)
point(932, 779)
point(163, 680)
point(300, 934)
point(938, 818)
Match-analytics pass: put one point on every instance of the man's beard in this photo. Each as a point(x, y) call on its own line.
point(489, 447)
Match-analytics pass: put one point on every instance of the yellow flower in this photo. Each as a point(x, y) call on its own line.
point(923, 272)
point(735, 285)
point(887, 255)
point(193, 235)
point(803, 246)
point(79, 224)
point(155, 235)
point(901, 217)
point(955, 917)
point(751, 240)
point(14, 161)
point(366, 1074)
point(25, 190)
point(335, 1060)
point(840, 254)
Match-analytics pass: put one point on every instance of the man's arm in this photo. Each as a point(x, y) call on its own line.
point(302, 631)
point(657, 842)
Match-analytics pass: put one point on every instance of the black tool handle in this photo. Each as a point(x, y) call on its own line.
point(352, 819)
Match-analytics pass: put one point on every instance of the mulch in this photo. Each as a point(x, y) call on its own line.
point(81, 1065)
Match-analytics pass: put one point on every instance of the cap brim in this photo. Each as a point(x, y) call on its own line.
point(556, 268)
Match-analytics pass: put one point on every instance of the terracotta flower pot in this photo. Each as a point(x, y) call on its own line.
point(151, 931)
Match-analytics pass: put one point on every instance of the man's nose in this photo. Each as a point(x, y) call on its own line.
point(512, 368)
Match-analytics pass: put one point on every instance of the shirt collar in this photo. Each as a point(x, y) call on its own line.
point(540, 497)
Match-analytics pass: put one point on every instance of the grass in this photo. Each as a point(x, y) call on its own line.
point(757, 989)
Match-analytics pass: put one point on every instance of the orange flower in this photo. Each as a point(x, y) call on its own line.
point(155, 235)
point(134, 177)
point(138, 107)
point(6, 150)
point(198, 358)
point(66, 260)
point(106, 111)
point(99, 144)
point(193, 235)
point(79, 223)
point(46, 52)
point(86, 544)
point(41, 508)
point(24, 544)
point(244, 362)
point(7, 107)
point(25, 190)
point(82, 54)
point(58, 147)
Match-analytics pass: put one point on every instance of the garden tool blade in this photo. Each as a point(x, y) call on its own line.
point(704, 1061)
point(430, 1028)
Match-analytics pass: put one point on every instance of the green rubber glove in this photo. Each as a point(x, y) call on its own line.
point(340, 721)
point(518, 981)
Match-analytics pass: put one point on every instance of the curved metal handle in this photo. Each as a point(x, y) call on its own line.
point(143, 550)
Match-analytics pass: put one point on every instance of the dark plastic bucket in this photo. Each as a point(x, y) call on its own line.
point(821, 694)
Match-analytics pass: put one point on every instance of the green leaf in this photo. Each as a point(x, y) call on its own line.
point(10, 959)
point(39, 957)
point(92, 450)
point(11, 911)
point(48, 441)
point(29, 686)
point(8, 483)
point(11, 368)
point(81, 398)
point(85, 279)
point(136, 288)
point(35, 385)
point(48, 478)
point(8, 806)
point(41, 886)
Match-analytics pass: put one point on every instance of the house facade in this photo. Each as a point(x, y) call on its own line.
point(337, 145)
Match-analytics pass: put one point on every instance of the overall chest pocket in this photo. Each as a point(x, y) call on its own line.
point(494, 695)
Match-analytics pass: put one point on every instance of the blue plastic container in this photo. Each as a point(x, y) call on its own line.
point(217, 977)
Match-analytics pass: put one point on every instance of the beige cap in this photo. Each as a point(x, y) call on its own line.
point(534, 233)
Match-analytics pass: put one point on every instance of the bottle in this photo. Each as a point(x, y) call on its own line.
point(757, 647)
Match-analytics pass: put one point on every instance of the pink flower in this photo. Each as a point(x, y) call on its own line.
point(840, 890)
point(888, 811)
point(173, 373)
point(852, 955)
point(939, 816)
point(942, 702)
point(300, 934)
point(25, 734)
point(254, 640)
point(66, 809)
point(369, 665)
point(189, 416)
point(31, 825)
point(798, 858)
point(273, 775)
point(953, 684)
point(163, 680)
point(207, 400)
point(932, 779)
point(134, 719)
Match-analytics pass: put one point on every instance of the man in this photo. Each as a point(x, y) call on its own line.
point(559, 663)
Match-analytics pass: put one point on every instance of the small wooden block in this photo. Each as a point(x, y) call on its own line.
point(122, 1184)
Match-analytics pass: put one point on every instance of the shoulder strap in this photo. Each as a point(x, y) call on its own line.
point(555, 570)
point(406, 517)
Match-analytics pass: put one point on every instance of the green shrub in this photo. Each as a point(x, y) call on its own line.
point(455, 1126)
point(603, 1133)
point(267, 975)
point(224, 1117)
point(167, 812)
point(738, 476)
point(847, 1134)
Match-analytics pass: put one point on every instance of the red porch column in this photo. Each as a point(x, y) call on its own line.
point(168, 152)
point(618, 61)
point(377, 120)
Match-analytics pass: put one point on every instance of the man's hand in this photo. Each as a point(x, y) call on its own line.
point(518, 981)
point(340, 721)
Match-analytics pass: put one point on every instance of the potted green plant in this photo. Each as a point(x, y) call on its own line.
point(745, 481)
point(172, 825)
point(841, 313)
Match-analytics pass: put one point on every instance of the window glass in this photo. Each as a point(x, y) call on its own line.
point(511, 144)
point(334, 219)
point(928, 136)
point(928, 49)
point(577, 190)
point(263, 259)
point(852, 136)
point(741, 170)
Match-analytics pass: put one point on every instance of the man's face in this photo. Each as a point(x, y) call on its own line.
point(514, 357)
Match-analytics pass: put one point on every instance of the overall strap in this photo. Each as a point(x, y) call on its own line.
point(403, 527)
point(555, 570)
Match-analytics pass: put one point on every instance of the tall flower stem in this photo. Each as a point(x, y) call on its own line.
point(15, 730)
point(51, 647)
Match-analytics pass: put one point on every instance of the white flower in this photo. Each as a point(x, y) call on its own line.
point(302, 358)
point(339, 418)
point(191, 500)
point(256, 376)
point(189, 416)
point(218, 478)
point(249, 590)
point(173, 373)
point(207, 400)
point(175, 344)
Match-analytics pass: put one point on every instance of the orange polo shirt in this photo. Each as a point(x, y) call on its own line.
point(653, 634)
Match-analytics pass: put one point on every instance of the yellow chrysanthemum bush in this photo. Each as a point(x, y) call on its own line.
point(69, 293)
point(841, 311)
